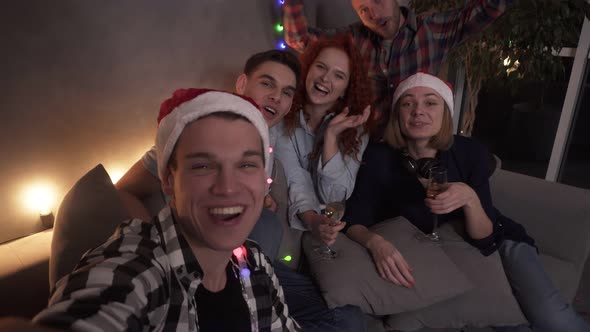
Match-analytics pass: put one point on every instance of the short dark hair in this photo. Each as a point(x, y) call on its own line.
point(283, 57)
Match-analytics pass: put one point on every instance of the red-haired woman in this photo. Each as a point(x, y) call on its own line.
point(325, 134)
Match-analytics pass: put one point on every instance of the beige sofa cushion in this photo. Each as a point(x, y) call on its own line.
point(456, 286)
point(489, 303)
point(556, 215)
point(351, 278)
point(24, 275)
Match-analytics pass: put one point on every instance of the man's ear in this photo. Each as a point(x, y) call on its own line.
point(241, 83)
point(168, 184)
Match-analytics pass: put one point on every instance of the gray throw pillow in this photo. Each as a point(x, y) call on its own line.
point(489, 303)
point(87, 216)
point(351, 278)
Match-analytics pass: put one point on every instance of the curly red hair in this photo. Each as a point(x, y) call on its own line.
point(357, 96)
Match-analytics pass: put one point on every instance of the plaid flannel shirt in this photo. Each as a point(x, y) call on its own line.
point(144, 278)
point(421, 44)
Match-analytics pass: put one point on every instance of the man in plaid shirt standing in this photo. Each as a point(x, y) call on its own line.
point(394, 41)
point(190, 268)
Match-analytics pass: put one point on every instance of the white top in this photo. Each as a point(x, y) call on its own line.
point(309, 185)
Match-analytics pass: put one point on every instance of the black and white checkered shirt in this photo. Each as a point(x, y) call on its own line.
point(144, 278)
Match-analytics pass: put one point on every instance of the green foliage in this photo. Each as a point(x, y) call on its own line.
point(530, 32)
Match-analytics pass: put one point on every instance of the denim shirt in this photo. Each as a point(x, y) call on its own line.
point(309, 182)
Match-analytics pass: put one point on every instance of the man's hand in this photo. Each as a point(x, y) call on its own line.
point(390, 263)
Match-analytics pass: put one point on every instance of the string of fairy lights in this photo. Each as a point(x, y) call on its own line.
point(278, 28)
point(281, 45)
point(40, 197)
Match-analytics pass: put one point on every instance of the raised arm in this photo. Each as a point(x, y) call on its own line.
point(137, 184)
point(298, 33)
point(454, 27)
point(334, 167)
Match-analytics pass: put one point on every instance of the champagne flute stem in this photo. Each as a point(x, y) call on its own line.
point(434, 223)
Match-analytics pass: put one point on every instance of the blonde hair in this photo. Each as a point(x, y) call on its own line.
point(441, 141)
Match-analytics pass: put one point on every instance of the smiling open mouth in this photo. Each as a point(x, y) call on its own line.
point(270, 110)
point(321, 88)
point(226, 213)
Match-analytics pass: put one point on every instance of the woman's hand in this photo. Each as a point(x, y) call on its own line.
point(461, 195)
point(457, 195)
point(343, 121)
point(337, 125)
point(322, 227)
point(390, 263)
point(269, 203)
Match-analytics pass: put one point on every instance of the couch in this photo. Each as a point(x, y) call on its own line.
point(556, 215)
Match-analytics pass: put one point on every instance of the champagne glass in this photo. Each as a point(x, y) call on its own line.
point(334, 209)
point(437, 183)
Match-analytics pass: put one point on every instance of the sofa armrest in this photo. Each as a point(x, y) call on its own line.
point(24, 275)
point(556, 215)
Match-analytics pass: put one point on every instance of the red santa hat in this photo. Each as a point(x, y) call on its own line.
point(441, 87)
point(188, 105)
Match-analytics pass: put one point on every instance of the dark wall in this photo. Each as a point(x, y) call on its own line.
point(82, 81)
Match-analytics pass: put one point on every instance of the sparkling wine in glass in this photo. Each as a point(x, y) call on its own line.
point(437, 183)
point(334, 210)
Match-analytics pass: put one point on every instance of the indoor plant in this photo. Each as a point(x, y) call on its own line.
point(521, 45)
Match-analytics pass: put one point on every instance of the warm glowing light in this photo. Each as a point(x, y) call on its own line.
point(269, 180)
point(40, 197)
point(270, 149)
point(507, 61)
point(279, 27)
point(238, 252)
point(513, 68)
point(287, 258)
point(116, 168)
point(116, 173)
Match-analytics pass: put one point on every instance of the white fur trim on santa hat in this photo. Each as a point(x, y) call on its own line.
point(172, 125)
point(425, 80)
